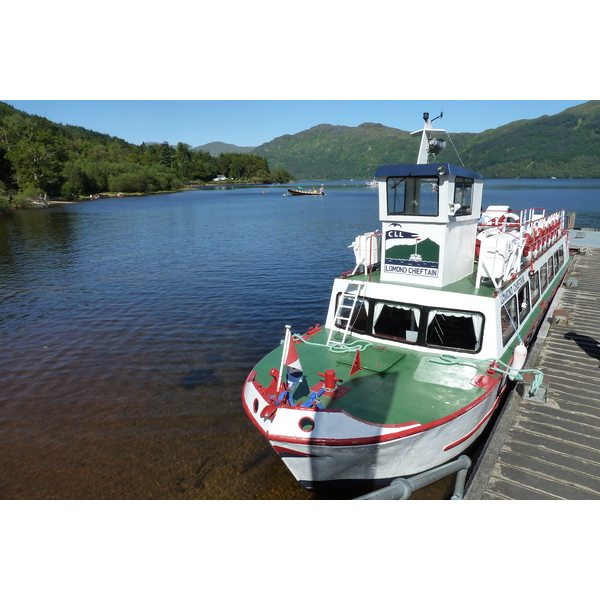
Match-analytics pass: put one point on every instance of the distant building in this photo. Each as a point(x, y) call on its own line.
point(220, 178)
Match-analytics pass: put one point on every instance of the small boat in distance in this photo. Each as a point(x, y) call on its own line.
point(302, 192)
point(372, 182)
point(422, 339)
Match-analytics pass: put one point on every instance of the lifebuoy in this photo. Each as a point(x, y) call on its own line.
point(513, 220)
point(528, 243)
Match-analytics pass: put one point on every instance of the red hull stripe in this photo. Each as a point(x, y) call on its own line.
point(414, 429)
point(476, 428)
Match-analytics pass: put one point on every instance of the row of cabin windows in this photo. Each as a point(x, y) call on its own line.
point(420, 325)
point(419, 196)
point(518, 307)
point(443, 328)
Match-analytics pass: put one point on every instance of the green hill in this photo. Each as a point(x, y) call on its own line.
point(562, 145)
point(218, 148)
point(339, 152)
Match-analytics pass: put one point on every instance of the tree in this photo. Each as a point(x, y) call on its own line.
point(37, 158)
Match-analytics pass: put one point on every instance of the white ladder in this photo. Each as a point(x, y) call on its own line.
point(347, 303)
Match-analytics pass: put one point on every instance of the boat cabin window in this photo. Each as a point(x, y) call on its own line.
point(561, 258)
point(544, 277)
point(413, 196)
point(452, 329)
point(509, 319)
point(463, 196)
point(523, 302)
point(551, 270)
point(412, 324)
point(358, 318)
point(534, 281)
point(397, 321)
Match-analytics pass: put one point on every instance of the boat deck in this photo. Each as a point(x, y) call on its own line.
point(551, 449)
point(431, 389)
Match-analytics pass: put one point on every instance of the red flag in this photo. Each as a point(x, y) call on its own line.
point(355, 363)
point(294, 368)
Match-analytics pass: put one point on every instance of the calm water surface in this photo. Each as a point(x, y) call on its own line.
point(128, 326)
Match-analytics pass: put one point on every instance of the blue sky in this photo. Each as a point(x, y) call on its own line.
point(253, 122)
point(255, 71)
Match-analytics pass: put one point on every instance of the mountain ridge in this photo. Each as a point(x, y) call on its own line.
point(562, 145)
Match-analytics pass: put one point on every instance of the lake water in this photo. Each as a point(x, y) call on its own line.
point(128, 327)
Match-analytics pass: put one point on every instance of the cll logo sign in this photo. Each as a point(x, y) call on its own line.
point(407, 253)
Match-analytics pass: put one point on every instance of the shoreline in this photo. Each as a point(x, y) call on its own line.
point(188, 188)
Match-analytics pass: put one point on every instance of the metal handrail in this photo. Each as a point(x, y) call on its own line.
point(403, 487)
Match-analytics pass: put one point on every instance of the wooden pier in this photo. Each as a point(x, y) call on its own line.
point(548, 447)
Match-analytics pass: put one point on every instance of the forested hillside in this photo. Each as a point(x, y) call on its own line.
point(38, 157)
point(562, 145)
point(339, 152)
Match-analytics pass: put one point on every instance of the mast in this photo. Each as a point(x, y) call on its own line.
point(430, 146)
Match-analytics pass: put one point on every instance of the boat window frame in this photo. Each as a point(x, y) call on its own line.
point(523, 302)
point(534, 284)
point(361, 303)
point(405, 306)
point(551, 269)
point(464, 199)
point(509, 325)
point(544, 277)
point(561, 257)
point(411, 195)
point(478, 328)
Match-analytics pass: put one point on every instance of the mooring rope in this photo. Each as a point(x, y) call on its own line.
point(448, 359)
point(443, 359)
point(338, 347)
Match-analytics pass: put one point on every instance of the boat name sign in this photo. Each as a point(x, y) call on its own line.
point(512, 288)
point(404, 270)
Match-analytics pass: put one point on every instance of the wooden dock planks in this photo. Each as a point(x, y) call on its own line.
point(551, 450)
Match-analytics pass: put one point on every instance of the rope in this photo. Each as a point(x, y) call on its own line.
point(448, 359)
point(518, 375)
point(338, 347)
point(455, 150)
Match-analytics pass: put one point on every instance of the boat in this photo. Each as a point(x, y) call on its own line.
point(372, 182)
point(423, 338)
point(302, 192)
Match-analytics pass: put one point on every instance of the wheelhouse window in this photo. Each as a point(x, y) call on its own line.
point(413, 196)
point(463, 196)
point(509, 319)
point(454, 329)
point(396, 321)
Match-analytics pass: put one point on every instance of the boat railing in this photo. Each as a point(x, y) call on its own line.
point(403, 487)
point(521, 223)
